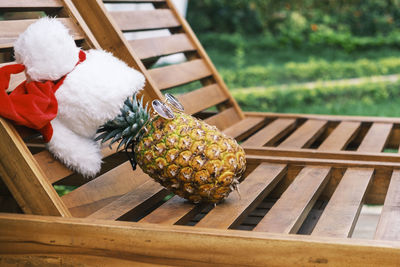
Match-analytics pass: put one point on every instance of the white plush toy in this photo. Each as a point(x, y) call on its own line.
point(92, 92)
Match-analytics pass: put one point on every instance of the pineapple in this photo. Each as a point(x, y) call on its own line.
point(186, 155)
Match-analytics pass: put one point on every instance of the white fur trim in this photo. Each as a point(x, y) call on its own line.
point(47, 50)
point(76, 152)
point(94, 92)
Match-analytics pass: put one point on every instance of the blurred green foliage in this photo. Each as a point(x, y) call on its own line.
point(348, 24)
point(381, 99)
point(312, 70)
point(64, 189)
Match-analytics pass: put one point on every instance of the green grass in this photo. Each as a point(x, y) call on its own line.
point(225, 58)
point(366, 98)
point(245, 64)
point(348, 107)
point(258, 68)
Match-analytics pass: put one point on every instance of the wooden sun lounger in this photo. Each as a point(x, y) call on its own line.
point(306, 180)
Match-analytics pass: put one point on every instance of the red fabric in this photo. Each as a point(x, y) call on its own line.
point(32, 104)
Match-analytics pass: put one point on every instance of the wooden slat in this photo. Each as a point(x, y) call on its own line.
point(389, 222)
point(243, 127)
point(289, 212)
point(103, 190)
point(165, 215)
point(337, 163)
point(337, 118)
point(11, 29)
point(132, 1)
point(341, 213)
point(346, 202)
point(271, 133)
point(145, 19)
point(224, 119)
point(252, 191)
point(309, 190)
point(305, 134)
point(24, 178)
point(6, 43)
point(175, 211)
point(174, 75)
point(341, 136)
point(376, 138)
point(181, 246)
point(161, 46)
point(31, 4)
point(53, 168)
point(132, 203)
point(310, 153)
point(345, 205)
point(203, 98)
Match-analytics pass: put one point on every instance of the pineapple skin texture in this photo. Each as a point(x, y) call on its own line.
point(190, 158)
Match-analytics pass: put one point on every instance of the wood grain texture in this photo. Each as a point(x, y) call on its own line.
point(101, 191)
point(337, 118)
point(11, 29)
point(175, 211)
point(305, 134)
point(55, 170)
point(346, 202)
point(24, 178)
point(376, 137)
point(289, 212)
point(338, 163)
point(174, 75)
point(67, 260)
point(252, 191)
point(105, 29)
point(184, 246)
point(341, 136)
point(22, 4)
point(341, 213)
point(145, 19)
point(201, 99)
point(52, 167)
point(132, 203)
point(271, 133)
point(321, 154)
point(389, 222)
point(161, 46)
point(224, 119)
point(243, 127)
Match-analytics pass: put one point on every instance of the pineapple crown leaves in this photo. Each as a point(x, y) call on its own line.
point(127, 125)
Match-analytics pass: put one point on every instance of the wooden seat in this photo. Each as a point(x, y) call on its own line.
point(307, 176)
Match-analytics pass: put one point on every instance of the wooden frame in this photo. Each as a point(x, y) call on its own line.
point(299, 184)
point(44, 240)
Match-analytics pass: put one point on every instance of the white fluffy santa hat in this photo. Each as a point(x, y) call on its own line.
point(91, 93)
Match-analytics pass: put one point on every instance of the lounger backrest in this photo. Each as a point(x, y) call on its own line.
point(152, 30)
point(27, 169)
